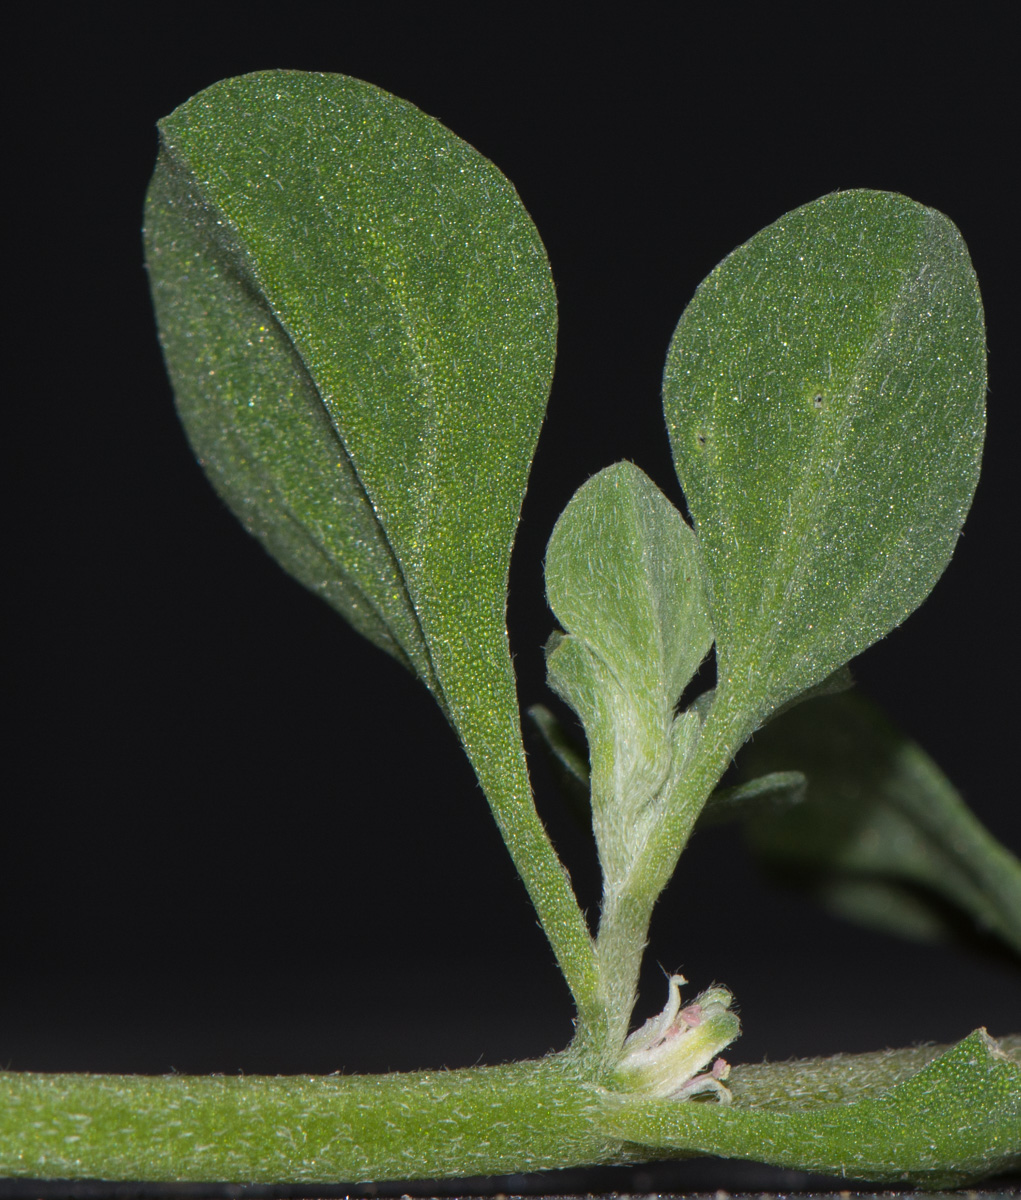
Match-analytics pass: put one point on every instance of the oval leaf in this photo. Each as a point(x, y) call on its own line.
point(359, 321)
point(824, 393)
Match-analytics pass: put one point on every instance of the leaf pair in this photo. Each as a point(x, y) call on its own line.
point(824, 393)
point(359, 321)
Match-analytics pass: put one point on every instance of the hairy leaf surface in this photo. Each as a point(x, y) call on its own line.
point(359, 321)
point(622, 576)
point(824, 392)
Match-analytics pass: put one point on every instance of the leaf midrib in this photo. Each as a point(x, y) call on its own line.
point(210, 211)
point(788, 566)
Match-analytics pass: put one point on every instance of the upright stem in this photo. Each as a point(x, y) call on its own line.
point(725, 730)
point(627, 910)
point(620, 947)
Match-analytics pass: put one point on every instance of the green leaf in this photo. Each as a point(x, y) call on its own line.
point(840, 680)
point(622, 577)
point(568, 759)
point(956, 1119)
point(765, 795)
point(359, 322)
point(774, 792)
point(622, 574)
point(824, 392)
point(883, 836)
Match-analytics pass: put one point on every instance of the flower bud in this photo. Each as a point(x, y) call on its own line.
point(666, 1058)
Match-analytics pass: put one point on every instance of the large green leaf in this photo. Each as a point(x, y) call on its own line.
point(824, 393)
point(359, 321)
point(883, 836)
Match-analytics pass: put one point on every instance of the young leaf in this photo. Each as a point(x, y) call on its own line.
point(359, 321)
point(824, 392)
point(622, 574)
point(882, 828)
point(765, 795)
point(622, 577)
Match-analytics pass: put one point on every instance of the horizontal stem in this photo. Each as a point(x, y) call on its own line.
point(940, 1119)
point(500, 1120)
point(259, 1129)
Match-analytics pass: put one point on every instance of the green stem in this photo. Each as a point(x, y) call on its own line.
point(836, 1115)
point(487, 1120)
point(620, 947)
point(624, 925)
point(725, 730)
point(892, 1117)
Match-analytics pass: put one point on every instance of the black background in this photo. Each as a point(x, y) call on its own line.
point(240, 838)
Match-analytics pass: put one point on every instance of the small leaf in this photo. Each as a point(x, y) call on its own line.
point(882, 830)
point(824, 392)
point(622, 577)
point(956, 1119)
point(763, 796)
point(622, 574)
point(568, 760)
point(359, 322)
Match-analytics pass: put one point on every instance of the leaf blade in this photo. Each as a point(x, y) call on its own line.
point(622, 577)
point(256, 421)
point(410, 286)
point(824, 393)
point(622, 573)
point(381, 317)
point(880, 815)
